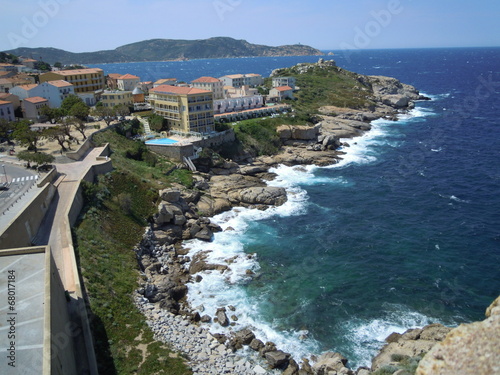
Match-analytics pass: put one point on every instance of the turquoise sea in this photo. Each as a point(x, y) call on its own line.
point(403, 232)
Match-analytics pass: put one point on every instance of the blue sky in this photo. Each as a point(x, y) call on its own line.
point(81, 26)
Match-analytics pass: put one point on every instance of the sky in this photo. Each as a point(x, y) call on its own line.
point(89, 25)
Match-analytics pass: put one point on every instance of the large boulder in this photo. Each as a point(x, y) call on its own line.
point(298, 132)
point(170, 195)
point(222, 318)
point(412, 343)
point(277, 359)
point(267, 195)
point(331, 363)
point(468, 349)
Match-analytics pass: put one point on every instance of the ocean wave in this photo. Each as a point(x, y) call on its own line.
point(368, 336)
point(228, 248)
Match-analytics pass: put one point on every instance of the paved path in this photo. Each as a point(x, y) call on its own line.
point(55, 226)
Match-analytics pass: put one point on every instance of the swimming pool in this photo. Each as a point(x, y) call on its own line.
point(162, 141)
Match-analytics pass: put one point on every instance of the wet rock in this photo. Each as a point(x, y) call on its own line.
point(277, 359)
point(331, 362)
point(292, 368)
point(256, 345)
point(222, 318)
point(205, 234)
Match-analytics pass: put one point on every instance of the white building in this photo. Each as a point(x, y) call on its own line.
point(239, 80)
point(32, 107)
point(238, 104)
point(7, 110)
point(210, 84)
point(280, 93)
point(54, 91)
point(284, 81)
point(128, 82)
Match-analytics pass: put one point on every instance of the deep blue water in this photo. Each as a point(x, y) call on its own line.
point(404, 232)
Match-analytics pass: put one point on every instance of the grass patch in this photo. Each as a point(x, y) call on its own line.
point(327, 86)
point(117, 209)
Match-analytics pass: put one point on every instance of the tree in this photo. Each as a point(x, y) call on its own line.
point(157, 123)
point(80, 110)
point(80, 126)
point(39, 158)
point(108, 114)
point(53, 114)
point(58, 134)
point(27, 137)
point(6, 129)
point(58, 65)
point(69, 102)
point(122, 110)
point(43, 66)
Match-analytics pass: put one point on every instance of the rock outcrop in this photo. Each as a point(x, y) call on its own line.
point(468, 349)
point(412, 343)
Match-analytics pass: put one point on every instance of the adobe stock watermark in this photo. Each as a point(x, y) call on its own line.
point(225, 6)
point(31, 25)
point(363, 36)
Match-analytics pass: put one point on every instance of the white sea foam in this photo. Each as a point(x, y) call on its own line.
point(222, 289)
point(369, 336)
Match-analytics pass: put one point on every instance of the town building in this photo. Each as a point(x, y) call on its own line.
point(238, 92)
point(7, 110)
point(112, 80)
point(128, 82)
point(239, 80)
point(284, 81)
point(165, 81)
point(211, 84)
point(32, 107)
point(24, 91)
point(186, 109)
point(146, 86)
point(8, 97)
point(138, 95)
point(280, 93)
point(54, 91)
point(29, 63)
point(88, 83)
point(117, 97)
point(238, 104)
point(4, 67)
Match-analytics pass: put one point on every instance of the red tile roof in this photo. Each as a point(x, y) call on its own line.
point(164, 80)
point(36, 99)
point(128, 76)
point(59, 83)
point(27, 87)
point(206, 80)
point(114, 75)
point(2, 102)
point(284, 88)
point(176, 90)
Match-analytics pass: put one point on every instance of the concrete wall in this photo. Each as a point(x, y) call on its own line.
point(78, 154)
point(175, 152)
point(59, 332)
point(49, 177)
point(24, 226)
point(179, 151)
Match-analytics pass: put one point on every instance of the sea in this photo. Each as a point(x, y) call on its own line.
point(404, 231)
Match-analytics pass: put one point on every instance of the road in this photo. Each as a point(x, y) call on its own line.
point(19, 181)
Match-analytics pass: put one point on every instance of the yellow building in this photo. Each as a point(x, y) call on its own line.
point(186, 109)
point(84, 81)
point(114, 98)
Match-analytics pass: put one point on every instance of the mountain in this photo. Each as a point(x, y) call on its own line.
point(166, 49)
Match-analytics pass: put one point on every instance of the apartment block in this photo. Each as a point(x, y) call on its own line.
point(114, 98)
point(284, 81)
point(7, 110)
point(211, 84)
point(239, 80)
point(186, 109)
point(85, 81)
point(32, 107)
point(128, 82)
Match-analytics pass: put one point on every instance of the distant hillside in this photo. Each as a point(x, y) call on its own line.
point(166, 49)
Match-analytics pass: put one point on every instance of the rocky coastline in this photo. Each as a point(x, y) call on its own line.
point(219, 186)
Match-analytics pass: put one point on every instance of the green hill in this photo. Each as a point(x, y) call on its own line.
point(166, 49)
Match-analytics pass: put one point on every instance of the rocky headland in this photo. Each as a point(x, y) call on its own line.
point(221, 185)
